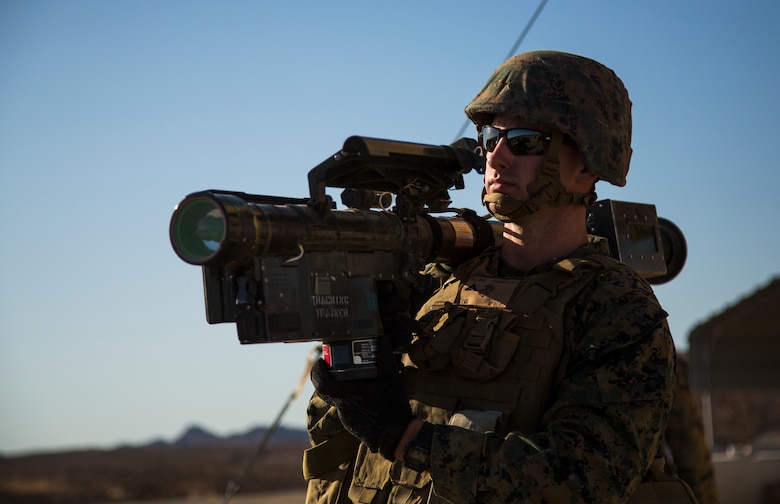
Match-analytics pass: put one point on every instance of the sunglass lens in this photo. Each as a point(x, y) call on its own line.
point(519, 140)
point(523, 142)
point(490, 138)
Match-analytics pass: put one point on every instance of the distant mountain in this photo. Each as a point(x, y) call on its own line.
point(281, 435)
point(196, 436)
point(197, 463)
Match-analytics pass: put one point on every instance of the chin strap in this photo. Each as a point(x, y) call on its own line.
point(545, 189)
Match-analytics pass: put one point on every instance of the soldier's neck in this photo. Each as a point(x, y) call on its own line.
point(543, 237)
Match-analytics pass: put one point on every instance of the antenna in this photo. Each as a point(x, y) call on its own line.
point(512, 52)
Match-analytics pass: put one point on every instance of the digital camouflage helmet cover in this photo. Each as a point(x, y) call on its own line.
point(575, 95)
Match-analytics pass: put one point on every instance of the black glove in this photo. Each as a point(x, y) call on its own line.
point(374, 410)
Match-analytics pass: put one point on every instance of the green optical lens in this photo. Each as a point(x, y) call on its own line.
point(198, 230)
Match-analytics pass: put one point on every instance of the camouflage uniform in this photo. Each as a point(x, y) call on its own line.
point(590, 438)
point(552, 385)
point(685, 441)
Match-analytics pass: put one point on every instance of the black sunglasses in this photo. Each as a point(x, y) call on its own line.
point(521, 141)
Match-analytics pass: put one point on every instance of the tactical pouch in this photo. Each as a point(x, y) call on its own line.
point(373, 475)
point(329, 488)
point(475, 343)
point(329, 455)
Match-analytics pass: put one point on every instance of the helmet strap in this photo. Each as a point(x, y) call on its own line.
point(546, 189)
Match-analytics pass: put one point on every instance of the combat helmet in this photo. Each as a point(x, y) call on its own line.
point(578, 96)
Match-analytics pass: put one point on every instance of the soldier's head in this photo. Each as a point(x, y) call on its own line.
point(570, 103)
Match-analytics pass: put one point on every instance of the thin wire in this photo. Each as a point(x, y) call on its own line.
point(234, 484)
point(511, 52)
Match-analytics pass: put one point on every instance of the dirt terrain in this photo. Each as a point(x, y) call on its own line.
point(284, 497)
point(164, 474)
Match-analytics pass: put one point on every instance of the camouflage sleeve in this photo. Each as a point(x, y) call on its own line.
point(685, 440)
point(322, 420)
point(327, 464)
point(606, 416)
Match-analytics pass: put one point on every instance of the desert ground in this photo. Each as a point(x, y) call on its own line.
point(157, 475)
point(281, 497)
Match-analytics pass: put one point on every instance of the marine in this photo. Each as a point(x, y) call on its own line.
point(542, 370)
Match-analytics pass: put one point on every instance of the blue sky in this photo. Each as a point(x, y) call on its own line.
point(111, 112)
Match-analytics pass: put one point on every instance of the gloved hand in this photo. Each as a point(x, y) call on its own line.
point(375, 410)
